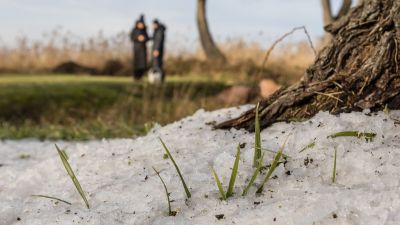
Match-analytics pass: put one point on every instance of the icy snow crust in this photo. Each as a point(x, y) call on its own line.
point(123, 189)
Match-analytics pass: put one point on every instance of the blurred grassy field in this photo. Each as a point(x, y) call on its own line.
point(86, 107)
point(39, 105)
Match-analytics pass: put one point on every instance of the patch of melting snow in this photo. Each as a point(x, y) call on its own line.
point(122, 188)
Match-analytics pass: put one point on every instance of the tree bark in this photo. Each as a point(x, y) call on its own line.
point(210, 49)
point(358, 70)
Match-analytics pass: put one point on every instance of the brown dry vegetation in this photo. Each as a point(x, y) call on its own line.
point(29, 56)
point(286, 65)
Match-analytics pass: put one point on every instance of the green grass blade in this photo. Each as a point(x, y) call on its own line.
point(54, 198)
point(272, 151)
point(274, 164)
point(257, 142)
point(65, 154)
point(270, 171)
point(311, 145)
point(72, 175)
point(358, 134)
point(148, 126)
point(188, 194)
point(386, 110)
point(334, 167)
point(166, 192)
point(235, 168)
point(254, 177)
point(219, 184)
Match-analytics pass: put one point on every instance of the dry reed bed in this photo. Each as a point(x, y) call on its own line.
point(245, 58)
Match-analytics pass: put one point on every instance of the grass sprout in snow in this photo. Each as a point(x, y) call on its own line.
point(53, 198)
point(272, 151)
point(254, 177)
point(311, 145)
point(188, 194)
point(219, 184)
point(358, 134)
point(235, 168)
point(272, 168)
point(334, 167)
point(231, 186)
point(257, 142)
point(72, 175)
point(170, 212)
point(386, 110)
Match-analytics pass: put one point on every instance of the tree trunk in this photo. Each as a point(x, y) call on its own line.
point(358, 70)
point(210, 49)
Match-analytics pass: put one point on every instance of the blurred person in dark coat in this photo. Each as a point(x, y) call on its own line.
point(158, 47)
point(139, 38)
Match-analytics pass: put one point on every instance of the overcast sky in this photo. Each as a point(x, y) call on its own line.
point(256, 20)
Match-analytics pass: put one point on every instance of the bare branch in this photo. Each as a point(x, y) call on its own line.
point(281, 39)
point(327, 12)
point(346, 6)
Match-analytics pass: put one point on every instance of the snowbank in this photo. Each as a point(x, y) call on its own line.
point(123, 189)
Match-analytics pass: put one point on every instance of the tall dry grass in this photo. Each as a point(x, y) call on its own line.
point(286, 64)
point(56, 47)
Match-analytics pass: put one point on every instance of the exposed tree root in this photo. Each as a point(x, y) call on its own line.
point(358, 70)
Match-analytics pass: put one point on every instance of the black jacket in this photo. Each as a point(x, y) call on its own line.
point(139, 48)
point(159, 38)
point(158, 44)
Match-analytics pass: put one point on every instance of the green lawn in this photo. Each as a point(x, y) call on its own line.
point(87, 107)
